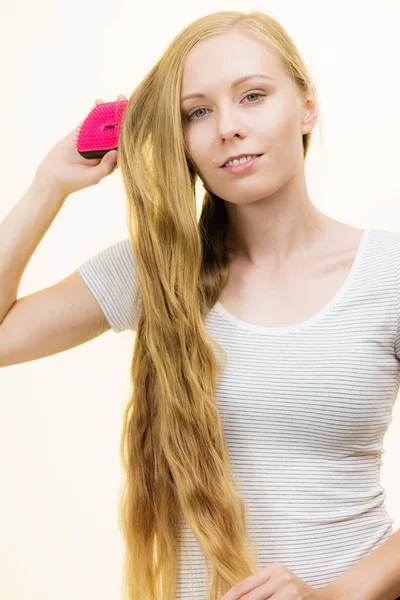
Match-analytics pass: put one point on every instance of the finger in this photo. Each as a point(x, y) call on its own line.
point(101, 100)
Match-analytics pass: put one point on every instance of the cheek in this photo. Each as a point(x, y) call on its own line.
point(281, 117)
point(191, 148)
point(285, 136)
point(200, 151)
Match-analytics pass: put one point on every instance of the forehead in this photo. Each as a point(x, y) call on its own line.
point(219, 60)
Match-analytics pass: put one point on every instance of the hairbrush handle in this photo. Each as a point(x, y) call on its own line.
point(99, 131)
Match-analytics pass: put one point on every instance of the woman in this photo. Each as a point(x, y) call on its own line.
point(271, 456)
point(306, 397)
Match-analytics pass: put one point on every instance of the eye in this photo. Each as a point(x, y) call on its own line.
point(190, 116)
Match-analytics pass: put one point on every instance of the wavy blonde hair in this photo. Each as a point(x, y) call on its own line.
point(173, 447)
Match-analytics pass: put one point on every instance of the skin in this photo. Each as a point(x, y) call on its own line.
point(276, 582)
point(273, 223)
point(101, 100)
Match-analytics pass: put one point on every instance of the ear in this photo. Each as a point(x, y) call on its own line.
point(310, 114)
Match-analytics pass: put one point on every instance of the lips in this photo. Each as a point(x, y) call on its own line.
point(238, 158)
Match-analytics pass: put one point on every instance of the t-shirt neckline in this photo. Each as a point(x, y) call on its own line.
point(307, 323)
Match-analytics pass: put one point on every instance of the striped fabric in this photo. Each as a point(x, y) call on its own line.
point(304, 409)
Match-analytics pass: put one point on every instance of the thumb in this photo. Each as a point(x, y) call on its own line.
point(109, 161)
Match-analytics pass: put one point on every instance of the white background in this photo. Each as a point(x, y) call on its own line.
point(61, 416)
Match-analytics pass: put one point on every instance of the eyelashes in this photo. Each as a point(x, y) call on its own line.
point(191, 115)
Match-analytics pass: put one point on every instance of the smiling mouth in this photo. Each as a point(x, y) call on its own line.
point(222, 166)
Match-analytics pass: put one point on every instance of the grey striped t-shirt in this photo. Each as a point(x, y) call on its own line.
point(304, 410)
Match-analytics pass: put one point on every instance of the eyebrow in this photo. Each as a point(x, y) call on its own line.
point(234, 84)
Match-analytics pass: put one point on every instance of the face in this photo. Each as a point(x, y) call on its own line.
point(257, 116)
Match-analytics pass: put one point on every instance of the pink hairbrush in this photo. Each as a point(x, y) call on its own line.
point(99, 132)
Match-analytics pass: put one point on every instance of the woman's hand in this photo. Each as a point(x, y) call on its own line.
point(275, 582)
point(67, 171)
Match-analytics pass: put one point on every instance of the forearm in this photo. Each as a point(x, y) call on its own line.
point(375, 577)
point(20, 234)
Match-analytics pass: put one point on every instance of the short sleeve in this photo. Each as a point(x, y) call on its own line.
point(395, 252)
point(397, 338)
point(111, 277)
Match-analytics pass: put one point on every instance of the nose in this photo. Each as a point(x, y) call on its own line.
point(229, 126)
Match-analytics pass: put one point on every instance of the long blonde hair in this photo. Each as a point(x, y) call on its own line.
point(173, 447)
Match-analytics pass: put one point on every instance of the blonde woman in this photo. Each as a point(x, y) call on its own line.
point(266, 355)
